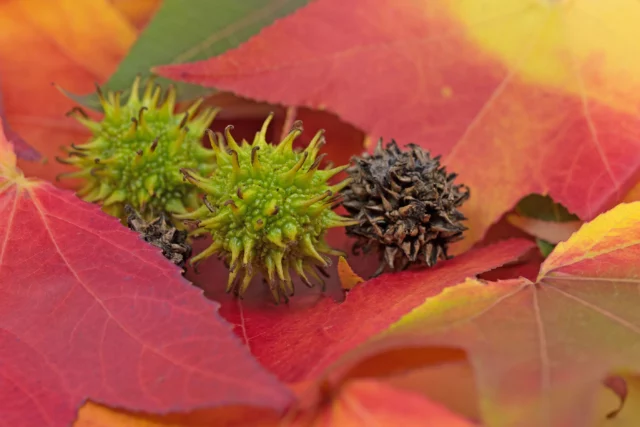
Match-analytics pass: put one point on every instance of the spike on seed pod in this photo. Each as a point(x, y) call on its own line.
point(136, 151)
point(267, 211)
point(406, 205)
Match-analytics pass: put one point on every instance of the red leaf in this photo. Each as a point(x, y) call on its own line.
point(540, 351)
point(73, 44)
point(518, 99)
point(88, 310)
point(299, 341)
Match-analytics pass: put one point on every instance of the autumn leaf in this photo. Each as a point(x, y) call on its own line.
point(93, 415)
point(540, 350)
point(367, 402)
point(187, 31)
point(90, 311)
point(299, 341)
point(550, 231)
point(520, 97)
point(20, 146)
point(358, 403)
point(348, 278)
point(137, 12)
point(543, 208)
point(70, 43)
point(629, 415)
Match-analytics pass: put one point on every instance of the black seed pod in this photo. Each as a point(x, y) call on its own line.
point(407, 206)
point(162, 234)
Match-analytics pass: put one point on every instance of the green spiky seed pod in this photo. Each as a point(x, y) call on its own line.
point(267, 208)
point(137, 150)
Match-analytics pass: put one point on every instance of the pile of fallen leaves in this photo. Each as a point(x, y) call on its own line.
point(534, 322)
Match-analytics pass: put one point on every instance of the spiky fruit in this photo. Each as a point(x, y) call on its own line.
point(406, 205)
point(267, 208)
point(137, 150)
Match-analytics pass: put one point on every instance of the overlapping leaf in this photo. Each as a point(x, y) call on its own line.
point(90, 311)
point(542, 350)
point(92, 415)
point(187, 31)
point(364, 403)
point(520, 96)
point(73, 44)
point(20, 146)
point(137, 12)
point(298, 341)
point(359, 403)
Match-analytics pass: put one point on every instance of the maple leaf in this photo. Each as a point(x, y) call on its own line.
point(90, 311)
point(21, 148)
point(358, 403)
point(551, 231)
point(367, 402)
point(540, 350)
point(72, 44)
point(298, 341)
point(93, 415)
point(520, 97)
point(137, 12)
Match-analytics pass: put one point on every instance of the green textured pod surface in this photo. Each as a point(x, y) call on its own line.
point(137, 150)
point(267, 208)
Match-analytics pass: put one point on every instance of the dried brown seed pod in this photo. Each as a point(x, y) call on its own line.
point(161, 233)
point(406, 204)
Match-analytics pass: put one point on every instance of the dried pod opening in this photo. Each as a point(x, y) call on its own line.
point(406, 205)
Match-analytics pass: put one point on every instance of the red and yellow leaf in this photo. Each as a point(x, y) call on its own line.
point(358, 403)
point(74, 44)
point(90, 311)
point(367, 402)
point(520, 97)
point(20, 146)
point(299, 341)
point(94, 415)
point(138, 12)
point(540, 351)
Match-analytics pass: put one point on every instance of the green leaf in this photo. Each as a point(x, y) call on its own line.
point(186, 31)
point(545, 247)
point(544, 208)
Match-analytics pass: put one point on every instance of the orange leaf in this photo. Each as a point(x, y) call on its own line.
point(451, 384)
point(95, 415)
point(138, 12)
point(519, 96)
point(629, 415)
point(348, 278)
point(364, 403)
point(540, 350)
point(633, 195)
point(71, 43)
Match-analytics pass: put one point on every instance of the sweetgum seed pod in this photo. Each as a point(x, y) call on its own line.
point(406, 205)
point(267, 209)
point(136, 152)
point(161, 233)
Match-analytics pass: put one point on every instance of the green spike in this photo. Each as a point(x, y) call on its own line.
point(275, 237)
point(115, 197)
point(134, 96)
